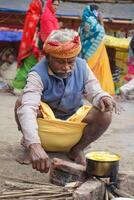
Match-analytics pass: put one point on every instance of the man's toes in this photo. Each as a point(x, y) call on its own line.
point(80, 159)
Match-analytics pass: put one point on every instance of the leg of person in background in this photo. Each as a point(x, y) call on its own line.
point(20, 80)
point(127, 90)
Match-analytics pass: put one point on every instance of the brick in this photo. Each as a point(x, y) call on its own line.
point(126, 182)
point(63, 172)
point(90, 190)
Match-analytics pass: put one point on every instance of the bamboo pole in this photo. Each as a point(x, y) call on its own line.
point(40, 198)
point(25, 189)
point(110, 195)
point(106, 195)
point(23, 180)
point(48, 192)
point(23, 194)
point(22, 186)
point(121, 193)
point(52, 190)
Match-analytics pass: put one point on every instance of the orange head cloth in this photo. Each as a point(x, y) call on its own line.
point(68, 49)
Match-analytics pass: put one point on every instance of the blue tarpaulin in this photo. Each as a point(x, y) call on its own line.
point(10, 36)
point(14, 5)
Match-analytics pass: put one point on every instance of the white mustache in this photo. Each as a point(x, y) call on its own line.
point(61, 72)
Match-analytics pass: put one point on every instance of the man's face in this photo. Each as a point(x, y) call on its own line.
point(62, 67)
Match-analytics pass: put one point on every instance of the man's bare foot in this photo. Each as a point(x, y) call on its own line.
point(77, 156)
point(24, 159)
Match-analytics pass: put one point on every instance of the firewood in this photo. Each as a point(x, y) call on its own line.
point(106, 195)
point(23, 180)
point(22, 186)
point(37, 192)
point(26, 194)
point(121, 193)
point(44, 198)
point(110, 195)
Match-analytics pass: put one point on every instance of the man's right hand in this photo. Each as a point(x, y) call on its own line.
point(39, 158)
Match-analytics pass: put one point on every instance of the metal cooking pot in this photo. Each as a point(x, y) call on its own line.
point(101, 166)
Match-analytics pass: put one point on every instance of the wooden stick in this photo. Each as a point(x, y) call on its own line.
point(110, 195)
point(22, 186)
point(56, 195)
point(121, 193)
point(55, 198)
point(106, 195)
point(44, 198)
point(64, 198)
point(24, 181)
point(34, 193)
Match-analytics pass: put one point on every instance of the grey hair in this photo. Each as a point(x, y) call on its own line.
point(63, 35)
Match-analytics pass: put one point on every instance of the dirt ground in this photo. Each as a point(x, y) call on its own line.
point(119, 138)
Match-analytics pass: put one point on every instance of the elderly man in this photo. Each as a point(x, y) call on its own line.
point(52, 115)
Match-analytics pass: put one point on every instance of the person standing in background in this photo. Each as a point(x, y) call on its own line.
point(38, 25)
point(127, 90)
point(27, 57)
point(93, 48)
point(49, 21)
point(130, 74)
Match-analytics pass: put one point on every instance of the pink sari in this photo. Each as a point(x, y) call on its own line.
point(48, 22)
point(130, 74)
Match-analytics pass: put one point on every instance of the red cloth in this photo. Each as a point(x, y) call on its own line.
point(49, 21)
point(68, 49)
point(32, 18)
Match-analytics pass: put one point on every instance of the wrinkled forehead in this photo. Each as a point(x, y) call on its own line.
point(63, 59)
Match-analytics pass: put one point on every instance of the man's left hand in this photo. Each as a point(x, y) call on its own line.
point(108, 104)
